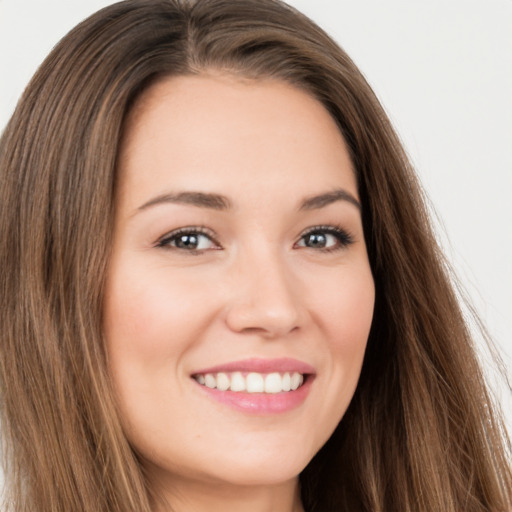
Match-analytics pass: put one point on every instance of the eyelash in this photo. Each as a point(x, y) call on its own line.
point(165, 241)
point(344, 239)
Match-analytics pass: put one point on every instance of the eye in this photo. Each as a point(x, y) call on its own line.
point(327, 238)
point(188, 239)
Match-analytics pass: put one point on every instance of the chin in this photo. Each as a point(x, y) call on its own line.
point(250, 467)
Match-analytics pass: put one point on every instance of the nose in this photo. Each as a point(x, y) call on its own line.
point(265, 297)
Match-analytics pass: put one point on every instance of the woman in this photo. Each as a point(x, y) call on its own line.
point(208, 223)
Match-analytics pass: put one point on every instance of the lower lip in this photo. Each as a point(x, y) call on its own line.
point(261, 403)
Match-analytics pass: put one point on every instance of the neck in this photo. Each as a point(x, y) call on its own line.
point(201, 496)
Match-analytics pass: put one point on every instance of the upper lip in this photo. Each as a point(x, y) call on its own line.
point(258, 365)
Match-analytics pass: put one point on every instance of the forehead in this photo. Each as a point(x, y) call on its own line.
point(211, 132)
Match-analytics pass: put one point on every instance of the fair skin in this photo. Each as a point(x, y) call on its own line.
point(267, 275)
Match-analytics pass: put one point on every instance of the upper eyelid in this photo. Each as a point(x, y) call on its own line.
point(321, 227)
point(203, 230)
point(344, 236)
point(200, 230)
point(331, 228)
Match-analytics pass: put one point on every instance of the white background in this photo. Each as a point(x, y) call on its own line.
point(443, 70)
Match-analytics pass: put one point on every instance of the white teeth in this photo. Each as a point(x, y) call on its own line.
point(255, 383)
point(296, 381)
point(252, 382)
point(286, 382)
point(237, 382)
point(210, 381)
point(273, 383)
point(222, 381)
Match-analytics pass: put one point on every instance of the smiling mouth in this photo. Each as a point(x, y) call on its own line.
point(252, 382)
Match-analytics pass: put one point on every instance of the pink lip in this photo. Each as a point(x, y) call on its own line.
point(283, 364)
point(261, 403)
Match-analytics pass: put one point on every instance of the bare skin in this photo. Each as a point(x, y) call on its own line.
point(238, 245)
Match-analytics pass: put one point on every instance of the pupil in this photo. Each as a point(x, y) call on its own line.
point(187, 241)
point(316, 240)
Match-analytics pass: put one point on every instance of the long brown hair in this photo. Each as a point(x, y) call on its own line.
point(421, 433)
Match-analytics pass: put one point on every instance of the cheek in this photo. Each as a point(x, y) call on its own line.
point(344, 313)
point(150, 322)
point(344, 308)
point(149, 314)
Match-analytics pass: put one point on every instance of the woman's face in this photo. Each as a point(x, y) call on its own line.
point(239, 272)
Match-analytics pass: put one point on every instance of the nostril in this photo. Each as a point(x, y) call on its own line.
point(262, 321)
point(264, 299)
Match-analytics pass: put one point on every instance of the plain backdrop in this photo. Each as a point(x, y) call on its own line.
point(443, 71)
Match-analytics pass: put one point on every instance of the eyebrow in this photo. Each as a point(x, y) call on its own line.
point(199, 199)
point(220, 202)
point(322, 200)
